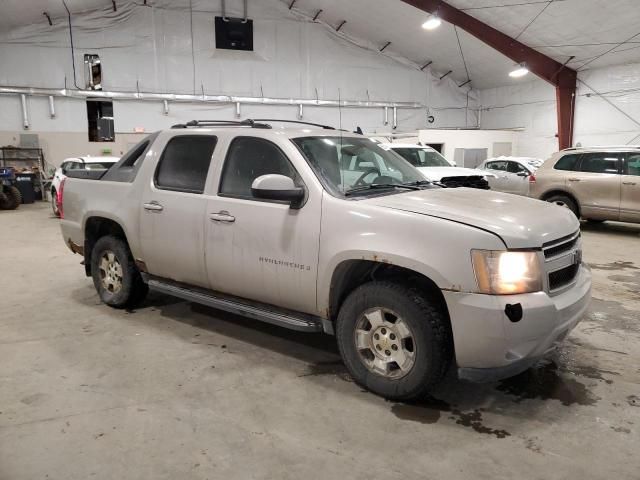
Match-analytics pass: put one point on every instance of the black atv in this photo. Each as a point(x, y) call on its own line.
point(10, 197)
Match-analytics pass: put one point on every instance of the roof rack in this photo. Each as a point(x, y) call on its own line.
point(221, 123)
point(603, 147)
point(326, 127)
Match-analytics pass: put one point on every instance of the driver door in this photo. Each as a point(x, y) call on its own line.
point(257, 249)
point(517, 179)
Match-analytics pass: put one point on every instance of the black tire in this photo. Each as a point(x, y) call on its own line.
point(4, 201)
point(431, 338)
point(17, 196)
point(11, 198)
point(132, 289)
point(54, 203)
point(565, 201)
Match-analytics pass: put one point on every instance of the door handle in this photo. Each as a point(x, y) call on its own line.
point(153, 206)
point(628, 183)
point(222, 216)
point(573, 179)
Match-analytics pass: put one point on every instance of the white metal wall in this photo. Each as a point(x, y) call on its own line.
point(532, 106)
point(170, 48)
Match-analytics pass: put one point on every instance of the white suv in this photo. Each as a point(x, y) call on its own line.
point(435, 168)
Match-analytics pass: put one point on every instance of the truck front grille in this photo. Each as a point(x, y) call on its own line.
point(557, 247)
point(563, 277)
point(473, 181)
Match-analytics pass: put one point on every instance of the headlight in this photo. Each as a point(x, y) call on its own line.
point(503, 273)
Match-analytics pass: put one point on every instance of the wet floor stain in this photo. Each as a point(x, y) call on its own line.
point(473, 419)
point(332, 367)
point(593, 373)
point(621, 429)
point(614, 266)
point(427, 411)
point(609, 315)
point(546, 382)
point(632, 282)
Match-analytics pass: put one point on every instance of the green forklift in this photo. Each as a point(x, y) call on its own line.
point(10, 197)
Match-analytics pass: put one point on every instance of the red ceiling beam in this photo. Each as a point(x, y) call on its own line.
point(561, 77)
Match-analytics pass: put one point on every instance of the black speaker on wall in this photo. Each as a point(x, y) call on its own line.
point(234, 33)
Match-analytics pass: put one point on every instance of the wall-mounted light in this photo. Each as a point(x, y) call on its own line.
point(432, 22)
point(520, 71)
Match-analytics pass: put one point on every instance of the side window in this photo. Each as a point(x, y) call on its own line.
point(497, 165)
point(633, 164)
point(249, 158)
point(568, 162)
point(184, 163)
point(515, 167)
point(599, 163)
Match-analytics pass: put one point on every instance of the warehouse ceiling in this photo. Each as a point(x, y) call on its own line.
point(596, 33)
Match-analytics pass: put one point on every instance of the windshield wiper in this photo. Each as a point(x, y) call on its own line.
point(376, 186)
point(418, 183)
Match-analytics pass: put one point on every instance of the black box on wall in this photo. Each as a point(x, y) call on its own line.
point(234, 33)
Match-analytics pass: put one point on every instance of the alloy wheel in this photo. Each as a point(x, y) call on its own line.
point(385, 343)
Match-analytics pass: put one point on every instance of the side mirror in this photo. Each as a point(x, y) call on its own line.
point(277, 187)
point(522, 174)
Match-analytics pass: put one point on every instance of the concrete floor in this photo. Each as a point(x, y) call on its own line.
point(173, 390)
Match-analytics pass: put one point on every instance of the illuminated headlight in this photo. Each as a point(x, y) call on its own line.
point(503, 273)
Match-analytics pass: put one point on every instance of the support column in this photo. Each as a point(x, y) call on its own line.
point(565, 106)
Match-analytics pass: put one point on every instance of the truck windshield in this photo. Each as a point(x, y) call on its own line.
point(351, 164)
point(422, 157)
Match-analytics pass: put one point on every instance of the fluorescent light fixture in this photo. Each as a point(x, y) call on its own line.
point(521, 71)
point(432, 23)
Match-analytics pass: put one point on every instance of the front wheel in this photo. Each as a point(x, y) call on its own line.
point(394, 340)
point(115, 275)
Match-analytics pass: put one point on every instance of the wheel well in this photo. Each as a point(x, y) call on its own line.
point(350, 274)
point(551, 193)
point(96, 228)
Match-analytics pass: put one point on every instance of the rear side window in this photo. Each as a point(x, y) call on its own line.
point(515, 167)
point(633, 164)
point(568, 162)
point(185, 162)
point(599, 163)
point(249, 158)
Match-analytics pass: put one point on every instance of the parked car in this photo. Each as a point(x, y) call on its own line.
point(435, 168)
point(76, 163)
point(596, 183)
point(512, 174)
point(295, 228)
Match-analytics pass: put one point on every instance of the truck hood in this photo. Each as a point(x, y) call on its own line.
point(520, 222)
point(435, 174)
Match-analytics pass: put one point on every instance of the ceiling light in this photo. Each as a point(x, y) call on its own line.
point(432, 23)
point(520, 71)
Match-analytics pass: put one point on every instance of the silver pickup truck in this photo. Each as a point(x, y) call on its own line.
point(317, 229)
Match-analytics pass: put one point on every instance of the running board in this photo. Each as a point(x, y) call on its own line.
point(300, 322)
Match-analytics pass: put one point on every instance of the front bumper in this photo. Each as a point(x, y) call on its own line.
point(489, 346)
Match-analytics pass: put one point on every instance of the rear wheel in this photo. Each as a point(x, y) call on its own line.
point(566, 202)
point(394, 340)
point(54, 203)
point(115, 275)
